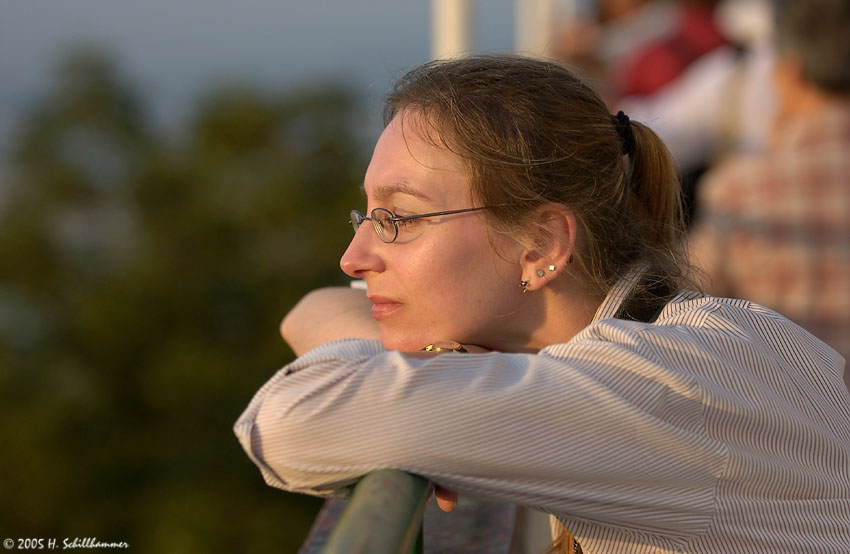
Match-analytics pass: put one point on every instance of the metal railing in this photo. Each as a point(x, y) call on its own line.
point(383, 516)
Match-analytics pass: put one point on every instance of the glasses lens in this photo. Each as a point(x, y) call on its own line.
point(384, 225)
point(357, 219)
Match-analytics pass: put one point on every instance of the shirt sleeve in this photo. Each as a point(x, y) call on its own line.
point(594, 428)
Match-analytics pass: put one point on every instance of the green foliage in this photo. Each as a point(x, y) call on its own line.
point(142, 282)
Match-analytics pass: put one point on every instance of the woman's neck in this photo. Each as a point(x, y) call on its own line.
point(553, 316)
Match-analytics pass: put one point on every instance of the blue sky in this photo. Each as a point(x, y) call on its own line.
point(171, 50)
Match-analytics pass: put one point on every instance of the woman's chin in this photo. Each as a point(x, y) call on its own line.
point(392, 341)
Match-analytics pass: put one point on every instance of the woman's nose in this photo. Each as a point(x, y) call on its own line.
point(362, 254)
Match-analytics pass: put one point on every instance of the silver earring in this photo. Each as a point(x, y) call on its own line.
point(551, 268)
point(540, 273)
point(524, 285)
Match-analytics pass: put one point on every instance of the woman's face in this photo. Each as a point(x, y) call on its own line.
point(441, 279)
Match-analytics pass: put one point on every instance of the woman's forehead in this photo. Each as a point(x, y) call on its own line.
point(405, 162)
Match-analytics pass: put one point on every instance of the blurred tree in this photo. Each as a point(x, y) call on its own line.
point(141, 286)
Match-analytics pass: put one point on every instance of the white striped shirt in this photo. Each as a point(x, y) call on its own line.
point(721, 427)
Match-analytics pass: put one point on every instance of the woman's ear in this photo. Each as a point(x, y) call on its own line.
point(551, 246)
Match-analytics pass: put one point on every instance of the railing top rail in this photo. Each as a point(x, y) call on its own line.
point(383, 516)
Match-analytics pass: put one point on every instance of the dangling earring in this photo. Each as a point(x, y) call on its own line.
point(524, 286)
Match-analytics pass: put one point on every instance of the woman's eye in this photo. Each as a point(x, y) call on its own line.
point(408, 222)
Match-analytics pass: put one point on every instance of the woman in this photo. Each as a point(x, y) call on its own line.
point(533, 238)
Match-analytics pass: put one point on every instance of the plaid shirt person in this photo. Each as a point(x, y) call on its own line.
point(776, 229)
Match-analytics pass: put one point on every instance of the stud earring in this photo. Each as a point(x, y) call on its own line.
point(551, 268)
point(540, 273)
point(524, 285)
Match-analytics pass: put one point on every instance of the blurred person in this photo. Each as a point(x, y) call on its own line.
point(529, 242)
point(595, 40)
point(776, 228)
point(661, 61)
point(724, 103)
point(639, 46)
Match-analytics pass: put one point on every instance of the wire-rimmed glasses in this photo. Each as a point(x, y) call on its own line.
point(386, 223)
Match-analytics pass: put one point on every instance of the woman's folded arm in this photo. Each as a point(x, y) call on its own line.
point(532, 429)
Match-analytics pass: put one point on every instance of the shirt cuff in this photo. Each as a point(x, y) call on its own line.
point(245, 429)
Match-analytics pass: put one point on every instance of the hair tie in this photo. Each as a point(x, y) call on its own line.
point(624, 130)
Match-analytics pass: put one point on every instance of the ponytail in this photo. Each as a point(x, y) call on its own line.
point(656, 185)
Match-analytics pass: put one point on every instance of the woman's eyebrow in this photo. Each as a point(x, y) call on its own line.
point(383, 192)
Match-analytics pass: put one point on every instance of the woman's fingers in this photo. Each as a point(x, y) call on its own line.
point(446, 499)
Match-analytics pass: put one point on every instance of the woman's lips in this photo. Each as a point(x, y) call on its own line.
point(383, 307)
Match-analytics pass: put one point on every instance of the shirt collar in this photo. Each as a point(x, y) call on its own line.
point(619, 293)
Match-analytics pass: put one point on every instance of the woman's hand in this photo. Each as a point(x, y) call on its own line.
point(446, 499)
point(327, 314)
point(333, 313)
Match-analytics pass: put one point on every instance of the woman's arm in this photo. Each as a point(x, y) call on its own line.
point(544, 430)
point(328, 314)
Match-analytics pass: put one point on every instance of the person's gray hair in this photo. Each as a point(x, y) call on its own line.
point(817, 33)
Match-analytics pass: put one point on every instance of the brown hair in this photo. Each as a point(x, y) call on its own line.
point(532, 133)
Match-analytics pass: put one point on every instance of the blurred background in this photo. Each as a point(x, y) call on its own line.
point(174, 176)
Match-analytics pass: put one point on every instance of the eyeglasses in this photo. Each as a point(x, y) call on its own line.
point(386, 223)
